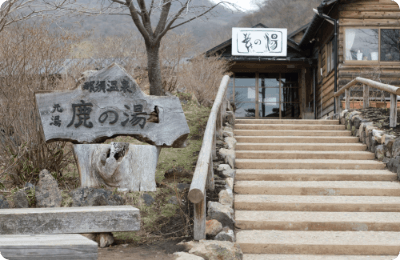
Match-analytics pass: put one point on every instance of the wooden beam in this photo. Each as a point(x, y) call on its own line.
point(393, 110)
point(48, 247)
point(365, 96)
point(198, 187)
point(74, 220)
point(199, 227)
point(347, 107)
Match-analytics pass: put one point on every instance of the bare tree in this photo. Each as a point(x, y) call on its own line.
point(13, 11)
point(165, 14)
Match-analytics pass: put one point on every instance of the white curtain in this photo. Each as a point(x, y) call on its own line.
point(350, 37)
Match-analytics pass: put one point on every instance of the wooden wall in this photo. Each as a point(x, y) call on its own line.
point(355, 14)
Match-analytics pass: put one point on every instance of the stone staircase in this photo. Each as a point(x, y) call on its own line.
point(307, 189)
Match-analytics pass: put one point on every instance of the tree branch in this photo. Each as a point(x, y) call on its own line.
point(137, 22)
point(163, 18)
point(145, 16)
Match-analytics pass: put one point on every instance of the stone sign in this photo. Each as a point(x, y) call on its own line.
point(108, 104)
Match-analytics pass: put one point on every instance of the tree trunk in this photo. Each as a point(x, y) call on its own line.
point(154, 70)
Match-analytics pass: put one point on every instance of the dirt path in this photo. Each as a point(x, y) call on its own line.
point(160, 251)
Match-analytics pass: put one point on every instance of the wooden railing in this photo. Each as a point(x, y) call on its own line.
point(203, 177)
point(367, 83)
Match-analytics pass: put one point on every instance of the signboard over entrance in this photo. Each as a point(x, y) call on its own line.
point(266, 42)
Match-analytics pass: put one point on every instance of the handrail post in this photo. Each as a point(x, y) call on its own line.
point(393, 110)
point(365, 96)
point(347, 93)
point(199, 220)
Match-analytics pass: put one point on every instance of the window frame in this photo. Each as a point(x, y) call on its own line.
point(363, 62)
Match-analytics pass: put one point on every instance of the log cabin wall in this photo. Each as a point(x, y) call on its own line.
point(362, 15)
point(367, 14)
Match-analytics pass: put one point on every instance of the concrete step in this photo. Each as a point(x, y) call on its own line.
point(290, 133)
point(314, 175)
point(316, 257)
point(317, 203)
point(286, 121)
point(297, 139)
point(319, 242)
point(48, 247)
point(302, 147)
point(74, 220)
point(318, 221)
point(319, 188)
point(288, 127)
point(335, 155)
point(309, 164)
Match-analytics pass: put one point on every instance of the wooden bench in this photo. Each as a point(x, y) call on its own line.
point(47, 247)
point(76, 220)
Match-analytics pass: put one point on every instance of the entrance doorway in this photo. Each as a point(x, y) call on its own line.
point(265, 95)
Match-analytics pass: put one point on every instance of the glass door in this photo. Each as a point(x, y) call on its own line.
point(265, 95)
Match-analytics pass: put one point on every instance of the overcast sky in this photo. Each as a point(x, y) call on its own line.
point(247, 5)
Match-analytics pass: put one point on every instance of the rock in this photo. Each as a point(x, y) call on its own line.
point(226, 170)
point(186, 256)
point(393, 164)
point(396, 148)
point(47, 193)
point(229, 117)
point(222, 213)
point(148, 199)
point(229, 156)
point(215, 250)
point(91, 236)
point(380, 152)
point(229, 183)
point(182, 186)
point(357, 122)
point(174, 200)
point(82, 197)
point(29, 186)
point(20, 199)
point(105, 239)
point(226, 197)
point(231, 142)
point(213, 227)
point(177, 172)
point(226, 235)
point(4, 203)
point(227, 134)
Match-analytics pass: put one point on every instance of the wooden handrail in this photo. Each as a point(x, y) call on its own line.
point(203, 175)
point(393, 90)
point(385, 87)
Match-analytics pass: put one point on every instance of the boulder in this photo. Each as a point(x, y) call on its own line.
point(174, 200)
point(82, 197)
point(3, 203)
point(229, 117)
point(226, 170)
point(213, 227)
point(226, 197)
point(380, 152)
point(148, 199)
point(20, 199)
point(229, 183)
point(229, 156)
point(226, 235)
point(47, 193)
point(186, 256)
point(215, 250)
point(231, 142)
point(182, 186)
point(222, 213)
point(105, 239)
point(396, 148)
point(227, 134)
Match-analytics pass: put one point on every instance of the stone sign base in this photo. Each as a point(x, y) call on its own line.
point(124, 166)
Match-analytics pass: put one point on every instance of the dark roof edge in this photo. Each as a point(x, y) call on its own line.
point(302, 28)
point(314, 25)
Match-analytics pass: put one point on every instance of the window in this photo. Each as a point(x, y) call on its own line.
point(374, 45)
point(330, 62)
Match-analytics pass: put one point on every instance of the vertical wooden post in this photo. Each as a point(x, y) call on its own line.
point(365, 96)
point(210, 176)
point(347, 91)
point(393, 110)
point(338, 105)
point(199, 227)
point(214, 145)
